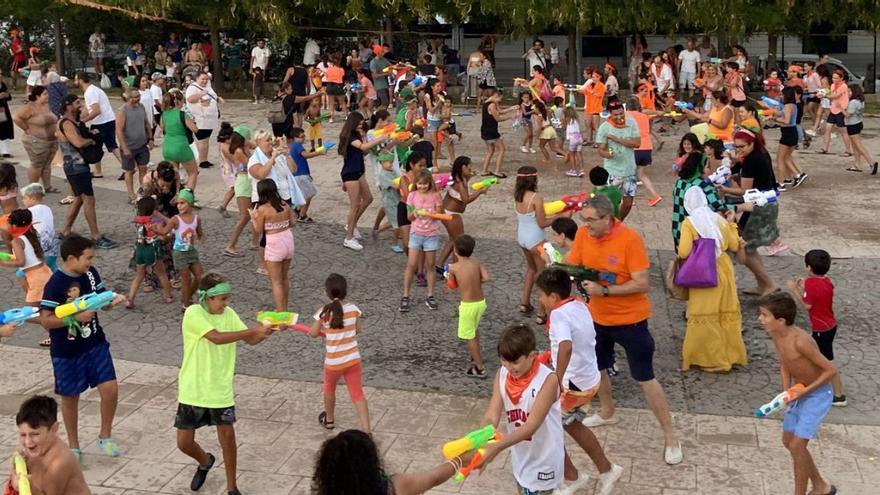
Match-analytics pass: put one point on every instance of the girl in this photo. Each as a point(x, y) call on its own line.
point(431, 104)
point(44, 222)
point(733, 83)
point(594, 92)
point(178, 129)
point(8, 188)
point(234, 152)
point(786, 165)
point(226, 169)
point(749, 118)
point(415, 164)
point(547, 134)
point(187, 230)
point(689, 143)
point(314, 119)
point(575, 141)
point(458, 196)
point(492, 114)
point(531, 222)
point(335, 91)
point(853, 116)
point(275, 218)
point(340, 322)
point(839, 96)
point(611, 84)
point(146, 250)
point(822, 80)
point(772, 85)
point(352, 148)
point(368, 93)
point(424, 236)
point(28, 253)
point(526, 110)
point(390, 195)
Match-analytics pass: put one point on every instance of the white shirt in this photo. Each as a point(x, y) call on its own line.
point(157, 94)
point(689, 60)
point(280, 173)
point(96, 42)
point(204, 112)
point(534, 60)
point(311, 52)
point(572, 322)
point(147, 102)
point(94, 94)
point(666, 80)
point(260, 58)
point(554, 55)
point(44, 224)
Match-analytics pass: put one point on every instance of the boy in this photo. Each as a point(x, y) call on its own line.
point(52, 468)
point(468, 276)
point(599, 179)
point(205, 395)
point(303, 175)
point(528, 394)
point(79, 349)
point(313, 118)
point(573, 354)
point(816, 293)
point(644, 151)
point(800, 362)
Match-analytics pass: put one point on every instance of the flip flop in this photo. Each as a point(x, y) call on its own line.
point(487, 174)
point(501, 175)
point(52, 190)
point(322, 419)
point(47, 342)
point(853, 169)
point(231, 254)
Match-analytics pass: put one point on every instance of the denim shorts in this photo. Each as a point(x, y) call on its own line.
point(75, 375)
point(804, 416)
point(424, 242)
point(433, 125)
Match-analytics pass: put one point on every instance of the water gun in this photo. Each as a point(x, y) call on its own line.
point(684, 105)
point(716, 60)
point(388, 129)
point(522, 82)
point(780, 401)
point(580, 273)
point(324, 147)
point(88, 302)
point(401, 135)
point(485, 184)
point(552, 253)
point(7, 256)
point(463, 473)
point(24, 484)
point(759, 198)
point(673, 114)
point(355, 87)
point(324, 117)
point(430, 214)
point(472, 441)
point(574, 87)
point(397, 66)
point(768, 102)
point(442, 180)
point(418, 81)
point(719, 176)
point(419, 123)
point(568, 203)
point(18, 315)
point(25, 71)
point(278, 318)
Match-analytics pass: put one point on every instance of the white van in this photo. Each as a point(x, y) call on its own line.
point(799, 59)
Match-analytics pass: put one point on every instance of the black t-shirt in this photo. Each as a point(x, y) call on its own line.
point(299, 81)
point(800, 112)
point(426, 149)
point(489, 126)
point(757, 166)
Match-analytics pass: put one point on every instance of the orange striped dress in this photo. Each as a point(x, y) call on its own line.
point(341, 343)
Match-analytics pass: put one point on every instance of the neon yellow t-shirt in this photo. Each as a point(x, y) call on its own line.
point(205, 378)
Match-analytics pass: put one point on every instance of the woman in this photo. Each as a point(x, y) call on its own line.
point(839, 96)
point(274, 219)
point(162, 185)
point(335, 90)
point(854, 114)
point(758, 227)
point(146, 99)
point(236, 153)
point(271, 160)
point(713, 337)
point(538, 84)
point(733, 83)
point(821, 80)
point(713, 82)
point(692, 173)
point(749, 118)
point(35, 76)
point(787, 122)
point(202, 103)
point(195, 56)
point(39, 125)
point(487, 48)
point(720, 117)
point(352, 148)
point(7, 130)
point(431, 106)
point(178, 129)
point(638, 46)
point(457, 197)
point(492, 115)
point(480, 72)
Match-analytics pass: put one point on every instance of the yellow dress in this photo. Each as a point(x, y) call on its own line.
point(713, 338)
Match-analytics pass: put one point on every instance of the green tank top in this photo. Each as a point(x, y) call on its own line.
point(173, 126)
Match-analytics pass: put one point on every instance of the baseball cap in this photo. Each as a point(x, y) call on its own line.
point(156, 76)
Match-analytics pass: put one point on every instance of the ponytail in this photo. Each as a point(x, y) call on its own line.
point(333, 313)
point(336, 288)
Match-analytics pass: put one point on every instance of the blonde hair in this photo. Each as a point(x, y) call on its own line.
point(262, 134)
point(34, 189)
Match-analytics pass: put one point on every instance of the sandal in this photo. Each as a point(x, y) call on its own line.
point(853, 169)
point(487, 174)
point(67, 200)
point(231, 254)
point(52, 190)
point(322, 420)
point(525, 308)
point(822, 152)
point(845, 154)
point(500, 175)
point(168, 299)
point(306, 219)
point(47, 342)
point(541, 319)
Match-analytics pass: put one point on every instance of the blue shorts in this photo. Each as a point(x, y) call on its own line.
point(424, 242)
point(107, 130)
point(636, 341)
point(643, 157)
point(433, 125)
point(804, 416)
point(75, 375)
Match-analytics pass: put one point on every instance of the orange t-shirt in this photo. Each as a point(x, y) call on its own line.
point(647, 101)
point(334, 74)
point(559, 91)
point(594, 95)
point(644, 122)
point(621, 252)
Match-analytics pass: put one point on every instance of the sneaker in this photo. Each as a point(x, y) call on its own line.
point(608, 480)
point(783, 187)
point(532, 150)
point(109, 447)
point(404, 305)
point(572, 487)
point(474, 372)
point(560, 155)
point(397, 248)
point(839, 401)
point(431, 302)
point(596, 420)
point(571, 172)
point(352, 244)
point(810, 132)
point(224, 212)
point(105, 242)
point(639, 183)
point(421, 280)
point(440, 270)
point(656, 199)
point(801, 177)
point(581, 173)
point(523, 149)
point(673, 455)
point(356, 233)
point(201, 474)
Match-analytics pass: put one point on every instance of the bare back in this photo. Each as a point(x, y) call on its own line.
point(470, 275)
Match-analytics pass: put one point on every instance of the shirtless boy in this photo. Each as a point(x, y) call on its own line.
point(468, 276)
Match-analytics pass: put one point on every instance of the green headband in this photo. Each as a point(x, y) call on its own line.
point(243, 131)
point(386, 157)
point(218, 290)
point(187, 195)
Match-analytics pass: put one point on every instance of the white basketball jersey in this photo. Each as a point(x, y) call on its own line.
point(538, 461)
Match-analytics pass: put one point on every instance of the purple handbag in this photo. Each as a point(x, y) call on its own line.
point(699, 271)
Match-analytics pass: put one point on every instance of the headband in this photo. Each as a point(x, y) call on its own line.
point(18, 231)
point(220, 289)
point(386, 157)
point(745, 134)
point(534, 174)
point(187, 195)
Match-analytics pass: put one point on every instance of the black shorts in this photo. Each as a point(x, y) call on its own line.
point(825, 341)
point(203, 134)
point(351, 176)
point(484, 85)
point(81, 184)
point(643, 158)
point(402, 215)
point(107, 130)
point(636, 341)
point(836, 119)
point(384, 96)
point(192, 418)
point(737, 103)
point(788, 136)
point(284, 129)
point(335, 89)
point(813, 99)
point(854, 130)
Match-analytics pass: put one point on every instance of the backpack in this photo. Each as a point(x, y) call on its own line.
point(276, 113)
point(545, 93)
point(92, 153)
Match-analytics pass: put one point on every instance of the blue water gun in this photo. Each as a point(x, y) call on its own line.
point(772, 103)
point(684, 105)
point(18, 315)
point(355, 87)
point(418, 80)
point(325, 147)
point(88, 302)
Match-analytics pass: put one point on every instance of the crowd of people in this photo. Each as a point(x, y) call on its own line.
point(394, 124)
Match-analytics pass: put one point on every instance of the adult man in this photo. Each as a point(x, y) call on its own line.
point(617, 138)
point(157, 90)
point(96, 49)
point(135, 136)
point(259, 64)
point(688, 67)
point(298, 77)
point(380, 77)
point(620, 308)
point(172, 47)
point(311, 52)
point(52, 467)
point(70, 140)
point(535, 56)
point(132, 60)
point(99, 115)
point(234, 63)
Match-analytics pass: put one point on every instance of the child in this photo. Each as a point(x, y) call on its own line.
point(562, 233)
point(800, 361)
point(275, 219)
point(599, 179)
point(303, 174)
point(547, 134)
point(816, 293)
point(340, 322)
point(368, 93)
point(468, 276)
point(44, 222)
point(526, 110)
point(643, 153)
point(448, 128)
point(187, 230)
point(313, 114)
point(772, 85)
point(415, 163)
point(8, 188)
point(424, 236)
point(594, 92)
point(390, 196)
point(425, 147)
point(146, 251)
point(51, 467)
point(204, 384)
point(28, 251)
point(80, 353)
point(527, 392)
point(575, 141)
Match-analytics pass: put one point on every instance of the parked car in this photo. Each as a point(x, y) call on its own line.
point(761, 68)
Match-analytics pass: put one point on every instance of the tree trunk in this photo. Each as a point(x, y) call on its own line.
point(388, 28)
point(571, 59)
point(772, 43)
point(59, 44)
point(216, 61)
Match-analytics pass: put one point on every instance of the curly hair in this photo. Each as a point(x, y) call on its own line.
point(349, 464)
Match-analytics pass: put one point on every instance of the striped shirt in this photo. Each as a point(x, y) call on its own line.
point(341, 343)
